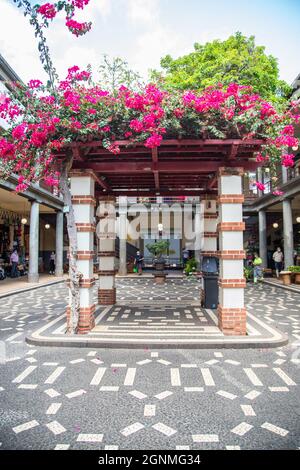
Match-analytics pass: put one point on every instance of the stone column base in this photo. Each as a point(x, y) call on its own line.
point(232, 321)
point(107, 296)
point(86, 319)
point(34, 278)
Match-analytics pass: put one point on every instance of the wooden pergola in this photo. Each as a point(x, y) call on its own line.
point(212, 169)
point(186, 167)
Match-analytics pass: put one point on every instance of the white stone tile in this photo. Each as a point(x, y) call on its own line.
point(98, 376)
point(144, 362)
point(175, 378)
point(242, 429)
point(164, 429)
point(279, 389)
point(24, 374)
point(77, 361)
point(164, 362)
point(137, 394)
point(76, 393)
point(111, 447)
point(149, 410)
point(275, 429)
point(55, 427)
point(109, 388)
point(130, 376)
point(252, 395)
point(207, 377)
point(233, 448)
point(52, 393)
point(205, 438)
point(248, 410)
point(62, 447)
point(28, 386)
point(284, 376)
point(193, 389)
point(25, 426)
point(54, 376)
point(90, 438)
point(163, 395)
point(53, 408)
point(225, 394)
point(132, 429)
point(253, 377)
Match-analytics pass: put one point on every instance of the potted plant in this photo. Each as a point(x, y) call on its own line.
point(191, 267)
point(248, 273)
point(296, 271)
point(286, 277)
point(158, 249)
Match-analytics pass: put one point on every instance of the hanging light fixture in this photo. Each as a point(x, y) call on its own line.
point(23, 221)
point(275, 225)
point(298, 220)
point(47, 226)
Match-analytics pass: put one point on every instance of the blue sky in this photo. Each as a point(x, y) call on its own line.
point(142, 31)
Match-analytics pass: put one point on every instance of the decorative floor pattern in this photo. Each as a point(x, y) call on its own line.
point(52, 398)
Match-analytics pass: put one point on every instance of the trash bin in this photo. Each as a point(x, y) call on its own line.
point(210, 273)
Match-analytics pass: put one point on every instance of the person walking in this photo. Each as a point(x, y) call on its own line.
point(138, 262)
point(185, 256)
point(14, 261)
point(52, 263)
point(257, 268)
point(278, 259)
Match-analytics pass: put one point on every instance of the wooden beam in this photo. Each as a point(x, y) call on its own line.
point(124, 167)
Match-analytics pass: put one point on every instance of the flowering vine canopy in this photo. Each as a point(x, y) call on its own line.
point(42, 122)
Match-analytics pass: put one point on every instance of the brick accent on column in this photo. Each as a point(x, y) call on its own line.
point(106, 253)
point(83, 200)
point(210, 235)
point(231, 309)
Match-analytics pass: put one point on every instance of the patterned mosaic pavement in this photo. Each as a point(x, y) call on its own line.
point(74, 398)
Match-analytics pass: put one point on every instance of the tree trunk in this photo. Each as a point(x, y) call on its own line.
point(74, 274)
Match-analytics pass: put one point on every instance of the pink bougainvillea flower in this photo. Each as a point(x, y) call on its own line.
point(35, 84)
point(153, 141)
point(47, 10)
point(136, 125)
point(260, 186)
point(277, 192)
point(287, 160)
point(80, 3)
point(78, 29)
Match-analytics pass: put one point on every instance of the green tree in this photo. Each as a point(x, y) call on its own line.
point(115, 72)
point(237, 59)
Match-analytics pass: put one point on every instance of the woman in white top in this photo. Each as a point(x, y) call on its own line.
point(278, 259)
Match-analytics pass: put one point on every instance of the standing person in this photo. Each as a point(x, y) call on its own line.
point(14, 261)
point(52, 263)
point(185, 256)
point(278, 259)
point(138, 262)
point(257, 268)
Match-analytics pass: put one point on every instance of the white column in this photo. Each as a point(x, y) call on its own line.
point(106, 232)
point(59, 242)
point(210, 226)
point(123, 235)
point(83, 200)
point(231, 310)
point(288, 235)
point(33, 273)
point(262, 227)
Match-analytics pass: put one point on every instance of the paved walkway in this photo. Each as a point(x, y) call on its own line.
point(273, 281)
point(166, 315)
point(20, 284)
point(55, 398)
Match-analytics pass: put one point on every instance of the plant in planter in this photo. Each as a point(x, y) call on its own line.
point(296, 271)
point(191, 267)
point(286, 277)
point(158, 249)
point(248, 273)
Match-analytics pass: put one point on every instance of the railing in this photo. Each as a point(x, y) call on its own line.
point(162, 200)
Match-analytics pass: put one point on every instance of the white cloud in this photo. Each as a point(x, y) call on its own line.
point(145, 11)
point(18, 44)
